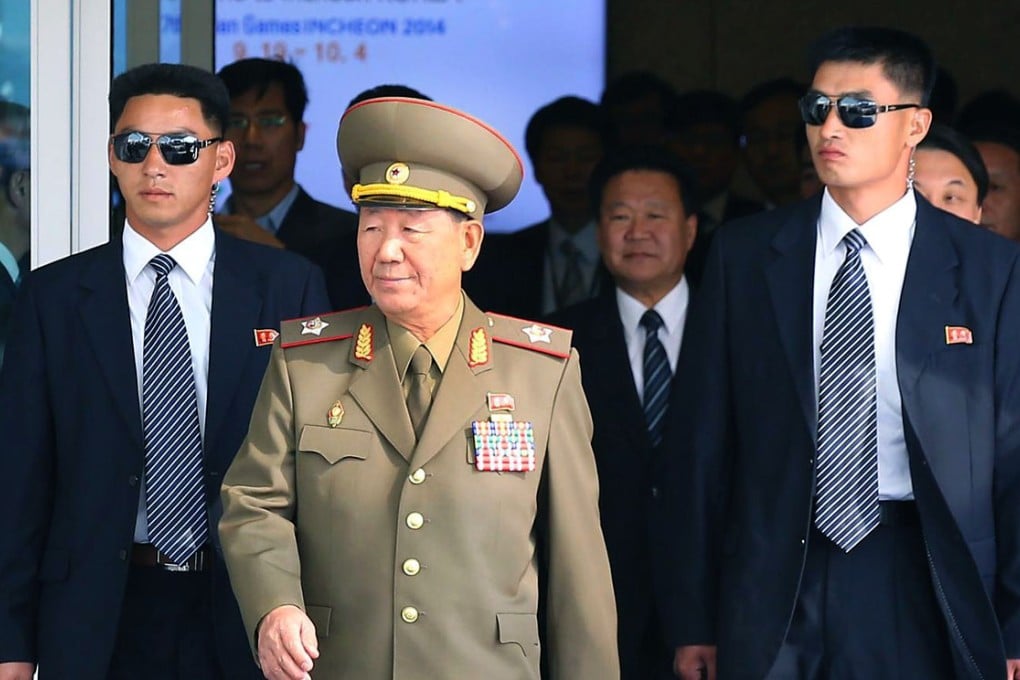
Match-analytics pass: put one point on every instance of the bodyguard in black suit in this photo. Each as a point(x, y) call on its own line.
point(87, 590)
point(861, 522)
point(646, 224)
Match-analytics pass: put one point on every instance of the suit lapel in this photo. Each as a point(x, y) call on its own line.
point(105, 315)
point(926, 302)
point(790, 277)
point(613, 376)
point(236, 305)
point(376, 387)
point(460, 394)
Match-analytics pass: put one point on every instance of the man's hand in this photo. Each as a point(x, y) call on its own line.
point(17, 670)
point(246, 228)
point(1012, 669)
point(694, 662)
point(287, 644)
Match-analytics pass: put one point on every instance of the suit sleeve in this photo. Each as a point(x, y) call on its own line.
point(1007, 466)
point(695, 462)
point(259, 502)
point(27, 461)
point(580, 607)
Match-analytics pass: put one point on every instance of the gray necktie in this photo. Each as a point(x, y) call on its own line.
point(419, 396)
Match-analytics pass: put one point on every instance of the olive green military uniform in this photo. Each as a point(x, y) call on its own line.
point(411, 562)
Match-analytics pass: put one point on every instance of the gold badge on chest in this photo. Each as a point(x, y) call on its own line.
point(335, 414)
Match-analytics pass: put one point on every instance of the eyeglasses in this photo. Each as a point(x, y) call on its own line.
point(179, 148)
point(264, 121)
point(855, 112)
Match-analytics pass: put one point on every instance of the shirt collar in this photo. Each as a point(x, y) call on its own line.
point(8, 262)
point(192, 254)
point(888, 233)
point(440, 345)
point(672, 307)
point(273, 219)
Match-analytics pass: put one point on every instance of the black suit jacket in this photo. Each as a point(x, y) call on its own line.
point(741, 484)
point(328, 236)
point(736, 207)
point(73, 454)
point(510, 273)
point(628, 468)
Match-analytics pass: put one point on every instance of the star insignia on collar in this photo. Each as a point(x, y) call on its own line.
point(313, 326)
point(538, 333)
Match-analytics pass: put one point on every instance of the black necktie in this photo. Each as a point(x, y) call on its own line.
point(847, 407)
point(174, 492)
point(656, 376)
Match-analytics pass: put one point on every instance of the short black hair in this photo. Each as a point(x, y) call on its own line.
point(15, 136)
point(178, 80)
point(652, 158)
point(573, 112)
point(699, 107)
point(944, 138)
point(989, 108)
point(259, 74)
point(906, 60)
point(388, 90)
point(777, 87)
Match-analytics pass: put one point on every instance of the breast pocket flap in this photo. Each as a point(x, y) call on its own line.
point(334, 443)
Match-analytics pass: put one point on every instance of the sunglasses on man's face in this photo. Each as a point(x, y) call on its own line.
point(855, 112)
point(179, 148)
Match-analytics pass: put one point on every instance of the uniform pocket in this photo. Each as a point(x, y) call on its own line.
point(519, 629)
point(335, 443)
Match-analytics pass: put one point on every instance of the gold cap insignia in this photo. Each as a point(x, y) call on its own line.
point(538, 333)
point(313, 326)
point(478, 352)
point(398, 173)
point(335, 414)
point(363, 345)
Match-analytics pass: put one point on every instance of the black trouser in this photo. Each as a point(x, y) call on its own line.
point(870, 613)
point(166, 628)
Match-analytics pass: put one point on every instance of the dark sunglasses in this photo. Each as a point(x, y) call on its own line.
point(855, 112)
point(179, 148)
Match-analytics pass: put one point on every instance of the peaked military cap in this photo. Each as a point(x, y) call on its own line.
point(413, 153)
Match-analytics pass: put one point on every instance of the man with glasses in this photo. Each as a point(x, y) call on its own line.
point(127, 388)
point(842, 498)
point(266, 205)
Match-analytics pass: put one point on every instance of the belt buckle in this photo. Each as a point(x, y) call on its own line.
point(193, 563)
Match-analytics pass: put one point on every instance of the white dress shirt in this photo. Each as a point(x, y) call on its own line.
point(673, 310)
point(191, 282)
point(889, 235)
point(8, 262)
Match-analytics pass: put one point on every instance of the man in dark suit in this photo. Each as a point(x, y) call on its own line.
point(15, 207)
point(647, 222)
point(266, 205)
point(843, 489)
point(110, 565)
point(553, 263)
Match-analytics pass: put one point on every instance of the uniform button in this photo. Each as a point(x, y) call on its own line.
point(409, 614)
point(655, 492)
point(412, 567)
point(415, 520)
point(417, 477)
point(132, 480)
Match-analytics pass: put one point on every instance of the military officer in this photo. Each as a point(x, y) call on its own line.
point(413, 466)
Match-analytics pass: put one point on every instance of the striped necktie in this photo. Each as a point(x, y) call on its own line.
point(174, 492)
point(656, 372)
point(847, 508)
